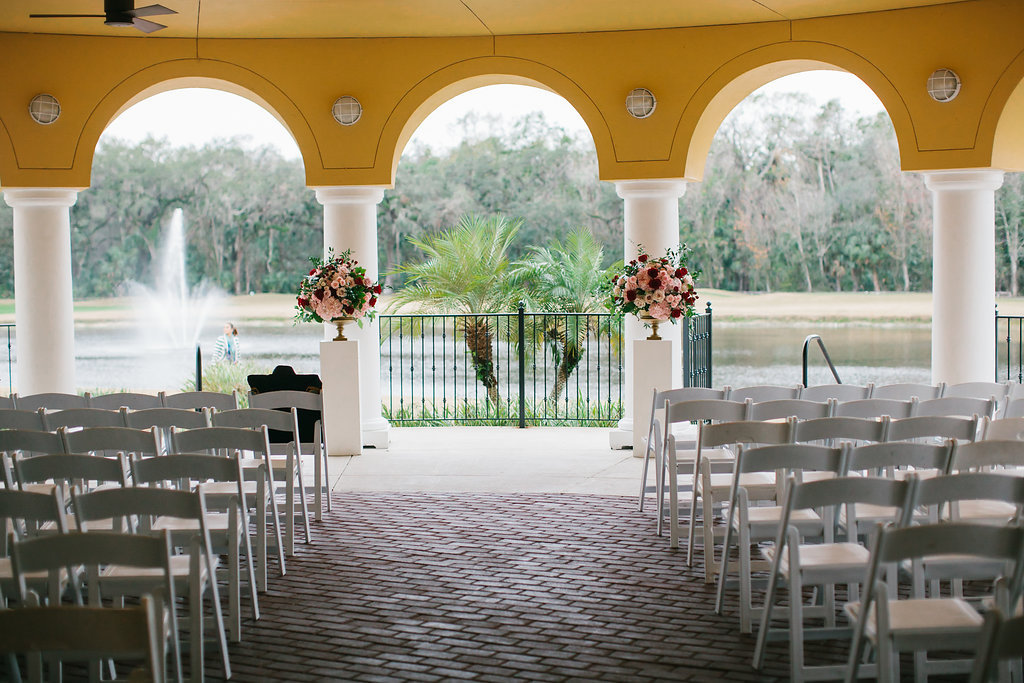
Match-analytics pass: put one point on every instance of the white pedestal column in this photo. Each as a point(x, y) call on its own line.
point(964, 276)
point(43, 305)
point(652, 369)
point(651, 220)
point(339, 365)
point(350, 222)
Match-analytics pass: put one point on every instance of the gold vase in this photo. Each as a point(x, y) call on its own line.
point(340, 324)
point(653, 322)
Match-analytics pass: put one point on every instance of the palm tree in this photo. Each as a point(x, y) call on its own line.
point(466, 272)
point(565, 277)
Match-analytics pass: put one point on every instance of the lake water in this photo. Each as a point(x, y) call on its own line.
point(110, 355)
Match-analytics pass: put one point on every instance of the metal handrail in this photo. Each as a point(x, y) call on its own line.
point(824, 352)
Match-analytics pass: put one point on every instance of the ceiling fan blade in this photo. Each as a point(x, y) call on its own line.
point(146, 26)
point(151, 10)
point(63, 16)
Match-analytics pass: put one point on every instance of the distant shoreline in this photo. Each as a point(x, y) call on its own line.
point(732, 307)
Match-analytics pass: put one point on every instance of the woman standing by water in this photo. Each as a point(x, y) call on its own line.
point(226, 348)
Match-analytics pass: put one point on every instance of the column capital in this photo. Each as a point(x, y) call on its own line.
point(41, 197)
point(964, 179)
point(350, 194)
point(656, 188)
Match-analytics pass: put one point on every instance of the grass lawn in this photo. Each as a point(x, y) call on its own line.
point(731, 306)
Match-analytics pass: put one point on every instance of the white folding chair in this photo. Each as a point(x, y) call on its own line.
point(286, 458)
point(193, 573)
point(23, 513)
point(797, 564)
point(657, 406)
point(747, 524)
point(127, 632)
point(712, 486)
point(102, 552)
point(227, 520)
point(310, 408)
point(254, 446)
point(922, 624)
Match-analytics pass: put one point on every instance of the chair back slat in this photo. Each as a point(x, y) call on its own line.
point(801, 409)
point(905, 391)
point(209, 439)
point(200, 399)
point(796, 457)
point(963, 406)
point(875, 408)
point(30, 442)
point(839, 428)
point(895, 454)
point(764, 392)
point(837, 392)
point(1004, 429)
point(125, 399)
point(51, 401)
point(112, 440)
point(70, 467)
point(82, 417)
point(700, 410)
point(744, 432)
point(165, 418)
point(933, 426)
point(987, 454)
point(11, 418)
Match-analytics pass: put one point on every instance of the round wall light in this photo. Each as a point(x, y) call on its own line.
point(44, 109)
point(943, 85)
point(640, 103)
point(347, 110)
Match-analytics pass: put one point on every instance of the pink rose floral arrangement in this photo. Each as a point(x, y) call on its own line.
point(660, 287)
point(336, 287)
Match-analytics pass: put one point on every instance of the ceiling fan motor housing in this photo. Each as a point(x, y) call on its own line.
point(118, 12)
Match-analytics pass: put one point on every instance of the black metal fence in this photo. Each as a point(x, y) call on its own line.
point(515, 368)
point(1009, 346)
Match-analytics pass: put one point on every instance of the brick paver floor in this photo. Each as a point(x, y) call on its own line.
point(492, 587)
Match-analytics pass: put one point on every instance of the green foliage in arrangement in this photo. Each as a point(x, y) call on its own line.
point(506, 413)
point(227, 377)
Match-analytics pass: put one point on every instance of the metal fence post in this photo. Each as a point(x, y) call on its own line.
point(687, 360)
point(522, 365)
point(199, 368)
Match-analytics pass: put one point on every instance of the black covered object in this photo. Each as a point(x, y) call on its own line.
point(283, 378)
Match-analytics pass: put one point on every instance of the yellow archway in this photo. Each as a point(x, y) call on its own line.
point(738, 78)
point(1003, 122)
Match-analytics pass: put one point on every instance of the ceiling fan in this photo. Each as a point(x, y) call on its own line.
point(121, 13)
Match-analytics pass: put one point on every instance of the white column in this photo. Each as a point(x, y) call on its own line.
point(43, 304)
point(963, 274)
point(350, 222)
point(651, 220)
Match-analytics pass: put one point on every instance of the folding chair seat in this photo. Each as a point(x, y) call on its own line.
point(922, 624)
point(824, 564)
point(196, 400)
point(309, 406)
point(285, 459)
point(193, 573)
point(875, 408)
point(51, 401)
point(747, 524)
point(133, 633)
point(710, 485)
point(150, 556)
point(125, 399)
point(836, 392)
point(259, 487)
point(23, 512)
point(11, 418)
point(1001, 639)
point(227, 520)
point(79, 418)
point(905, 391)
point(660, 398)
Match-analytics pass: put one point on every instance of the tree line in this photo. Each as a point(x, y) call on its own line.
point(795, 197)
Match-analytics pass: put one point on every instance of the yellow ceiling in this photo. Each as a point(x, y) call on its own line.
point(425, 18)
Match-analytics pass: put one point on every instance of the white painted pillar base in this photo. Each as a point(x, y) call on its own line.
point(43, 303)
point(652, 369)
point(339, 367)
point(651, 220)
point(350, 222)
point(964, 276)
